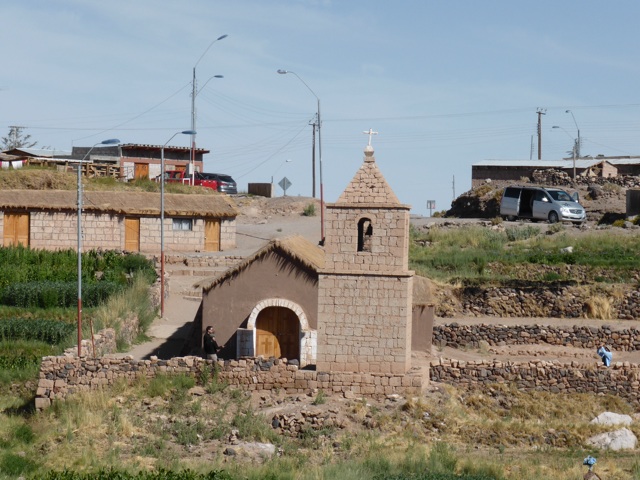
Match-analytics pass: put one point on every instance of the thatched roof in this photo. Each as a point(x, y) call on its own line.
point(295, 246)
point(129, 203)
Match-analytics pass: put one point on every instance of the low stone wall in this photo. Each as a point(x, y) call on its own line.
point(621, 379)
point(103, 341)
point(537, 301)
point(463, 336)
point(66, 375)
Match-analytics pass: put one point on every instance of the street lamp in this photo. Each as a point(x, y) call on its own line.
point(184, 132)
point(111, 141)
point(573, 150)
point(194, 92)
point(578, 129)
point(283, 72)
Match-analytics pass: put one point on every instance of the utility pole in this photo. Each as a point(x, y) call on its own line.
point(314, 125)
point(540, 112)
point(453, 186)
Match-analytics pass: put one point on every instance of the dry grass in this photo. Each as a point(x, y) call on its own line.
point(502, 432)
point(599, 307)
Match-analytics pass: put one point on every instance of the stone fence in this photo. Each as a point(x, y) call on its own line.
point(621, 379)
point(464, 336)
point(66, 375)
point(537, 301)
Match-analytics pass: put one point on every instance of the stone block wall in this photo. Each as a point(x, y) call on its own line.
point(59, 231)
point(227, 233)
point(64, 376)
point(621, 379)
point(366, 323)
point(389, 241)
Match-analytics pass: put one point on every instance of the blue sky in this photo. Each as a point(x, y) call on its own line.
point(445, 83)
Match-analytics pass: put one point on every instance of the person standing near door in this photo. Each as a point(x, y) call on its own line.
point(211, 347)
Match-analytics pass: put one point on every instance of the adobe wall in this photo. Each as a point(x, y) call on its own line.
point(621, 379)
point(267, 277)
point(63, 376)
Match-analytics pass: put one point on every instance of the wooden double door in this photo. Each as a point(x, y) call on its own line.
point(278, 333)
point(16, 229)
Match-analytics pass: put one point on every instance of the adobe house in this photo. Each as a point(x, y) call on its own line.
point(515, 170)
point(139, 160)
point(47, 219)
point(126, 162)
point(350, 306)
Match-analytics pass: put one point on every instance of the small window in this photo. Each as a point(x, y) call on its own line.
point(184, 224)
point(365, 233)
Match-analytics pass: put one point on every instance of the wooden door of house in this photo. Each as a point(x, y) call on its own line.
point(141, 170)
point(278, 333)
point(212, 235)
point(132, 234)
point(16, 229)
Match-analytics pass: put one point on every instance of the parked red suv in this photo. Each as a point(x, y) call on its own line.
point(199, 179)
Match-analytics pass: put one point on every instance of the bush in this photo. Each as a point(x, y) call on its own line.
point(309, 210)
point(521, 233)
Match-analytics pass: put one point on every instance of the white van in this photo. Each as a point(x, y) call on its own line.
point(539, 203)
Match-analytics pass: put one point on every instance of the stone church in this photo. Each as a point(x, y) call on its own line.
point(348, 306)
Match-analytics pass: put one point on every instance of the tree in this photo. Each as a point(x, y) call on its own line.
point(17, 139)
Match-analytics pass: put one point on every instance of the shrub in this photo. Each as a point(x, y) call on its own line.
point(555, 228)
point(321, 398)
point(599, 307)
point(521, 233)
point(309, 210)
point(619, 223)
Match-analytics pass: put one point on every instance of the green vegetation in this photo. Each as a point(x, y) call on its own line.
point(309, 210)
point(157, 428)
point(474, 252)
point(38, 304)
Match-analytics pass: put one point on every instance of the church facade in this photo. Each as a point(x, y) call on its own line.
point(364, 291)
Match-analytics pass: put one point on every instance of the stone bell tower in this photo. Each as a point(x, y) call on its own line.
point(365, 288)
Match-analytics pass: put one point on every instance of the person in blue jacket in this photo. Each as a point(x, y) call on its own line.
point(605, 354)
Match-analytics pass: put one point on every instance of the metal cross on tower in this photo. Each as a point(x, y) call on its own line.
point(370, 133)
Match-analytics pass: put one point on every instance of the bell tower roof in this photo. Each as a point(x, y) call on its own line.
point(368, 185)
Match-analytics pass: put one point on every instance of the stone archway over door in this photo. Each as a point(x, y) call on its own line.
point(278, 333)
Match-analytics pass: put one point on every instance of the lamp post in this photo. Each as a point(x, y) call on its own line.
point(184, 132)
point(573, 150)
point(283, 72)
point(194, 92)
point(577, 148)
point(111, 141)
